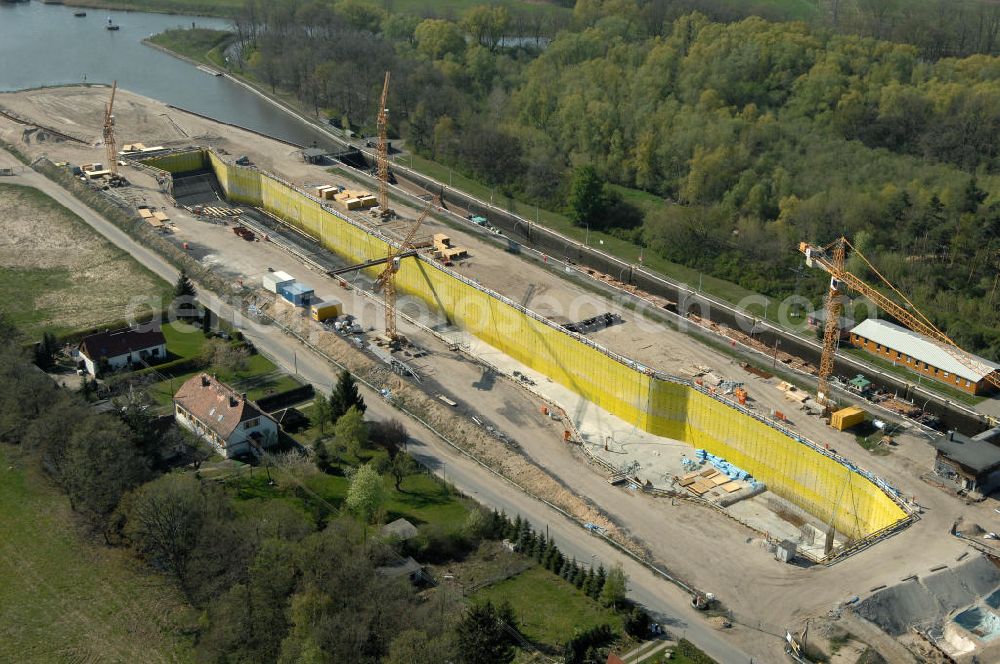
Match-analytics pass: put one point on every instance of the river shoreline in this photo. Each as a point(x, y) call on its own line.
point(137, 8)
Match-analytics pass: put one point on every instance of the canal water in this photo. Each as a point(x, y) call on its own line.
point(42, 45)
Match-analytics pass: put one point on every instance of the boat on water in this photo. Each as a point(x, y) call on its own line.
point(112, 26)
point(79, 13)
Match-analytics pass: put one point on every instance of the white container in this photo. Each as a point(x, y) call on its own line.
point(274, 280)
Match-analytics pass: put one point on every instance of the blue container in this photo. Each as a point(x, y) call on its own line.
point(297, 293)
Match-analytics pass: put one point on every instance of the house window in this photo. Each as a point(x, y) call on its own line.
point(968, 383)
point(155, 352)
point(250, 424)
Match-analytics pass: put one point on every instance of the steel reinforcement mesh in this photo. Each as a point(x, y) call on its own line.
point(832, 491)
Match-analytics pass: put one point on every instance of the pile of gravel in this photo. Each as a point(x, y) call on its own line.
point(930, 598)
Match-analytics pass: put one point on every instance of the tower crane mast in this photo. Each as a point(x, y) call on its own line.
point(109, 133)
point(386, 280)
point(382, 153)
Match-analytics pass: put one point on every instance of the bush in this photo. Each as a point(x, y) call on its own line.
point(435, 544)
point(577, 648)
point(636, 623)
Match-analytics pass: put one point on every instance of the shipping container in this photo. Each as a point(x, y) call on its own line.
point(272, 281)
point(846, 418)
point(297, 293)
point(328, 307)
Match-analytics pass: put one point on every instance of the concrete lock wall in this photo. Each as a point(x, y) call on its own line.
point(827, 488)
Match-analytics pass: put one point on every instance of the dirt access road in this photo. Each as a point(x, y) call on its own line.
point(667, 601)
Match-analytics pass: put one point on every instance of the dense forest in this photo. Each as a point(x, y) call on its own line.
point(753, 134)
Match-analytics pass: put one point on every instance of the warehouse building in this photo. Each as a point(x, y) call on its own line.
point(919, 354)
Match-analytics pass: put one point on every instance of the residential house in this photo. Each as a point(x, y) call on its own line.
point(116, 349)
point(225, 418)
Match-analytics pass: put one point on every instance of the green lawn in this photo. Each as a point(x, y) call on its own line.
point(423, 500)
point(260, 379)
point(183, 340)
point(549, 610)
point(65, 600)
point(201, 44)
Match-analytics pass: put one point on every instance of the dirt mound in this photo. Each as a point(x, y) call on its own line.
point(930, 598)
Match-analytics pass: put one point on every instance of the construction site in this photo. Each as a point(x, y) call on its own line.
point(734, 479)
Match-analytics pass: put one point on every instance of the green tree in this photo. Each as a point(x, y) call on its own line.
point(414, 646)
point(402, 466)
point(99, 464)
point(224, 357)
point(163, 521)
point(322, 457)
point(366, 493)
point(345, 395)
point(587, 199)
point(482, 638)
point(184, 296)
point(487, 25)
point(437, 38)
point(351, 431)
point(615, 586)
point(45, 351)
point(322, 413)
point(360, 15)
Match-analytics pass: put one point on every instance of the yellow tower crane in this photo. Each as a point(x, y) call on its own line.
point(382, 154)
point(109, 133)
point(386, 280)
point(831, 259)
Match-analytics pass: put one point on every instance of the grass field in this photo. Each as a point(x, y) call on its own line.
point(200, 44)
point(64, 600)
point(548, 609)
point(58, 274)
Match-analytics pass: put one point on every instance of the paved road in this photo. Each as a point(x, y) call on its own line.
point(666, 601)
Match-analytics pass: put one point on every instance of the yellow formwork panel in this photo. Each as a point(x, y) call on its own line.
point(825, 488)
point(179, 162)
